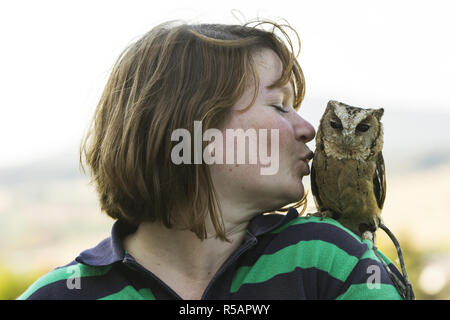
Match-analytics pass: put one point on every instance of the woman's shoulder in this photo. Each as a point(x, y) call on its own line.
point(312, 258)
point(324, 245)
point(327, 250)
point(322, 235)
point(63, 282)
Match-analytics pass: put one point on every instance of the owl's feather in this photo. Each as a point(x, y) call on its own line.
point(379, 181)
point(347, 172)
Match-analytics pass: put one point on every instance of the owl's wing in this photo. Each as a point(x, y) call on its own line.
point(314, 188)
point(379, 181)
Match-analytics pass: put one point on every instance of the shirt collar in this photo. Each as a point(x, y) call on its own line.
point(265, 223)
point(111, 250)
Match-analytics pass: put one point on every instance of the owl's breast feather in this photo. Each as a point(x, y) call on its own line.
point(345, 185)
point(339, 153)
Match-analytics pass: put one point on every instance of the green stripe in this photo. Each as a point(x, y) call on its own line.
point(363, 292)
point(386, 259)
point(129, 293)
point(302, 220)
point(63, 274)
point(369, 254)
point(305, 254)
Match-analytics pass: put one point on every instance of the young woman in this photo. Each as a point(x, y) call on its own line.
point(195, 144)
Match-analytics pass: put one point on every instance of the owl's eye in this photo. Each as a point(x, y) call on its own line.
point(336, 125)
point(362, 127)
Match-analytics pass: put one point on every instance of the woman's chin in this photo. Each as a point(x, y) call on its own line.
point(292, 197)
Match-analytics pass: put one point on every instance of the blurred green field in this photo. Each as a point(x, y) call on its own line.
point(415, 262)
point(13, 284)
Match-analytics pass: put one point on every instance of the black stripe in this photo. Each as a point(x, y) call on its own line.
point(94, 287)
point(72, 263)
point(271, 243)
point(309, 283)
point(365, 271)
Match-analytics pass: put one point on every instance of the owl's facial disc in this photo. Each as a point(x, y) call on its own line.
point(351, 119)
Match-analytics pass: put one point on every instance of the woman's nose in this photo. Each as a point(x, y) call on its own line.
point(304, 131)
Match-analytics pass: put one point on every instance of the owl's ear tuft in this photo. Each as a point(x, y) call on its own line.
point(332, 104)
point(378, 113)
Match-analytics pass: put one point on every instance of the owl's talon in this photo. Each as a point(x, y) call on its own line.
point(367, 235)
point(321, 214)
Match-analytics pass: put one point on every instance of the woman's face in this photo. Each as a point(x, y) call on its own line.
point(259, 186)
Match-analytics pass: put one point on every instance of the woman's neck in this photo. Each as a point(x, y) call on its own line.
point(179, 256)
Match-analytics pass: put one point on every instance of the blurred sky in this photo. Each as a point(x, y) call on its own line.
point(56, 55)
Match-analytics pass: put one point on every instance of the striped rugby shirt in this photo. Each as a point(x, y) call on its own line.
point(281, 257)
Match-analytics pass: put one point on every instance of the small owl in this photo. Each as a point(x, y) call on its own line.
point(347, 173)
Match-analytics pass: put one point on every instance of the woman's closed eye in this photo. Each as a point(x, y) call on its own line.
point(280, 108)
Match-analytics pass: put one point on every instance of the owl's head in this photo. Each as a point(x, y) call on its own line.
point(350, 132)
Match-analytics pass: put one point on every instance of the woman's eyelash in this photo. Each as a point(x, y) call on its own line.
point(280, 108)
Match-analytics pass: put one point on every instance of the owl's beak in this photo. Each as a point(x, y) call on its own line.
point(347, 138)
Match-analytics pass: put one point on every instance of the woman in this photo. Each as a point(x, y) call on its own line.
point(189, 211)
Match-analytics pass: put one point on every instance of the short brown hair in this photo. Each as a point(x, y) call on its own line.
point(175, 74)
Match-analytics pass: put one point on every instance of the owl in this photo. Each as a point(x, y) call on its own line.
point(347, 172)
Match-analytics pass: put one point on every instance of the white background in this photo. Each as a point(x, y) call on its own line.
point(55, 57)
